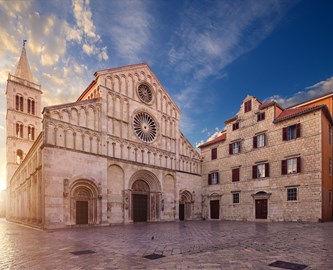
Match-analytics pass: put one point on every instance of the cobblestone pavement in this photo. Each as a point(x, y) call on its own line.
point(185, 245)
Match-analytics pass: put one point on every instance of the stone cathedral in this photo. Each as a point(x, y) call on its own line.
point(114, 156)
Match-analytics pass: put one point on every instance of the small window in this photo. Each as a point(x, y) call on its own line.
point(330, 196)
point(260, 171)
point(19, 130)
point(235, 175)
point(214, 153)
point(31, 106)
point(235, 197)
point(31, 133)
point(260, 116)
point(259, 141)
point(235, 126)
point(247, 106)
point(330, 135)
point(234, 148)
point(213, 178)
point(290, 166)
point(291, 132)
point(19, 103)
point(19, 156)
point(292, 194)
point(330, 166)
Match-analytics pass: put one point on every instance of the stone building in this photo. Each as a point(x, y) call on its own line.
point(271, 163)
point(116, 155)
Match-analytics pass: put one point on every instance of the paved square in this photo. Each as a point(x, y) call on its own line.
point(185, 245)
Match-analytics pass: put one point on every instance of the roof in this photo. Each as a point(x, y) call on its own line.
point(268, 104)
point(231, 119)
point(220, 138)
point(23, 69)
point(291, 113)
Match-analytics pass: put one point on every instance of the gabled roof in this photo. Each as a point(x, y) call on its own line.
point(291, 113)
point(220, 138)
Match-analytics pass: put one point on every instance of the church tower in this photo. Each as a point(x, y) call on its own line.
point(23, 119)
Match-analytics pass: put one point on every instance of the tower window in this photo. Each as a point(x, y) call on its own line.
point(19, 156)
point(19, 130)
point(19, 103)
point(31, 106)
point(31, 132)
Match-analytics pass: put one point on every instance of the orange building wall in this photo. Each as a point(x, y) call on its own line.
point(327, 101)
point(327, 183)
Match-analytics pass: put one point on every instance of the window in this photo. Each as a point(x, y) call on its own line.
point(213, 178)
point(291, 132)
point(234, 148)
point(260, 171)
point(214, 153)
point(235, 175)
point(259, 140)
point(330, 196)
point(260, 116)
point(292, 165)
point(31, 106)
point(19, 130)
point(19, 156)
point(247, 106)
point(19, 103)
point(31, 132)
point(292, 194)
point(330, 166)
point(330, 135)
point(235, 126)
point(235, 197)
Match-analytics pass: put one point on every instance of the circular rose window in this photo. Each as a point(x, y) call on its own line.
point(145, 93)
point(144, 127)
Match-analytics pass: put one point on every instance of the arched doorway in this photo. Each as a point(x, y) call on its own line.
point(185, 205)
point(140, 193)
point(84, 203)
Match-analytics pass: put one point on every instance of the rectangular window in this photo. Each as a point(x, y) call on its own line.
point(21, 104)
point(247, 106)
point(234, 148)
point(330, 197)
point(330, 135)
point(214, 153)
point(213, 178)
point(292, 165)
point(259, 140)
point(235, 175)
point(235, 126)
point(330, 166)
point(292, 194)
point(260, 116)
point(291, 132)
point(29, 105)
point(17, 103)
point(260, 171)
point(235, 197)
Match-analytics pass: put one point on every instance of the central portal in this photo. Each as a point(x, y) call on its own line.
point(140, 200)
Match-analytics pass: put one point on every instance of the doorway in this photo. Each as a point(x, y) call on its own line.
point(215, 209)
point(261, 209)
point(181, 211)
point(140, 205)
point(81, 212)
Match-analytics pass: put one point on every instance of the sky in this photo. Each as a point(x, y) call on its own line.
point(209, 55)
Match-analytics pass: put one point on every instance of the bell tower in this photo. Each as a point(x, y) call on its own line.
point(24, 117)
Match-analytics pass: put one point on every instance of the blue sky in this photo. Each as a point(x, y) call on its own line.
point(209, 55)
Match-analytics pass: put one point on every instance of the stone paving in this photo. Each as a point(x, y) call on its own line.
point(185, 245)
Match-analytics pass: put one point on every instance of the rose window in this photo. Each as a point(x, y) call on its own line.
point(145, 93)
point(144, 127)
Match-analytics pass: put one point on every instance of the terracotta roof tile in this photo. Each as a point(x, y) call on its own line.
point(290, 113)
point(220, 138)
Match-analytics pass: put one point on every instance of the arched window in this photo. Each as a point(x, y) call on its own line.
point(19, 103)
point(31, 132)
point(19, 156)
point(19, 130)
point(31, 106)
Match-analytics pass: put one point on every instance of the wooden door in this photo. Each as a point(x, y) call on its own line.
point(140, 207)
point(261, 209)
point(182, 212)
point(215, 209)
point(81, 212)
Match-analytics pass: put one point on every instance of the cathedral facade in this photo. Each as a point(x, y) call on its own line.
point(114, 156)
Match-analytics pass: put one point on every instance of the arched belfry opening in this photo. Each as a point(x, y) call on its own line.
point(145, 194)
point(185, 205)
point(84, 203)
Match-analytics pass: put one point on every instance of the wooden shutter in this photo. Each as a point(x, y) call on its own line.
point(214, 153)
point(265, 143)
point(239, 147)
point(299, 164)
point(298, 130)
point(230, 149)
point(263, 116)
point(254, 172)
point(217, 178)
point(235, 175)
point(285, 134)
point(284, 166)
point(255, 142)
point(266, 169)
point(209, 179)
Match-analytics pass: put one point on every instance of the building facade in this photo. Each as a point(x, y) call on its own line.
point(116, 155)
point(271, 163)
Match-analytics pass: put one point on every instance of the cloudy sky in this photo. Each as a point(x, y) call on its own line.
point(209, 55)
